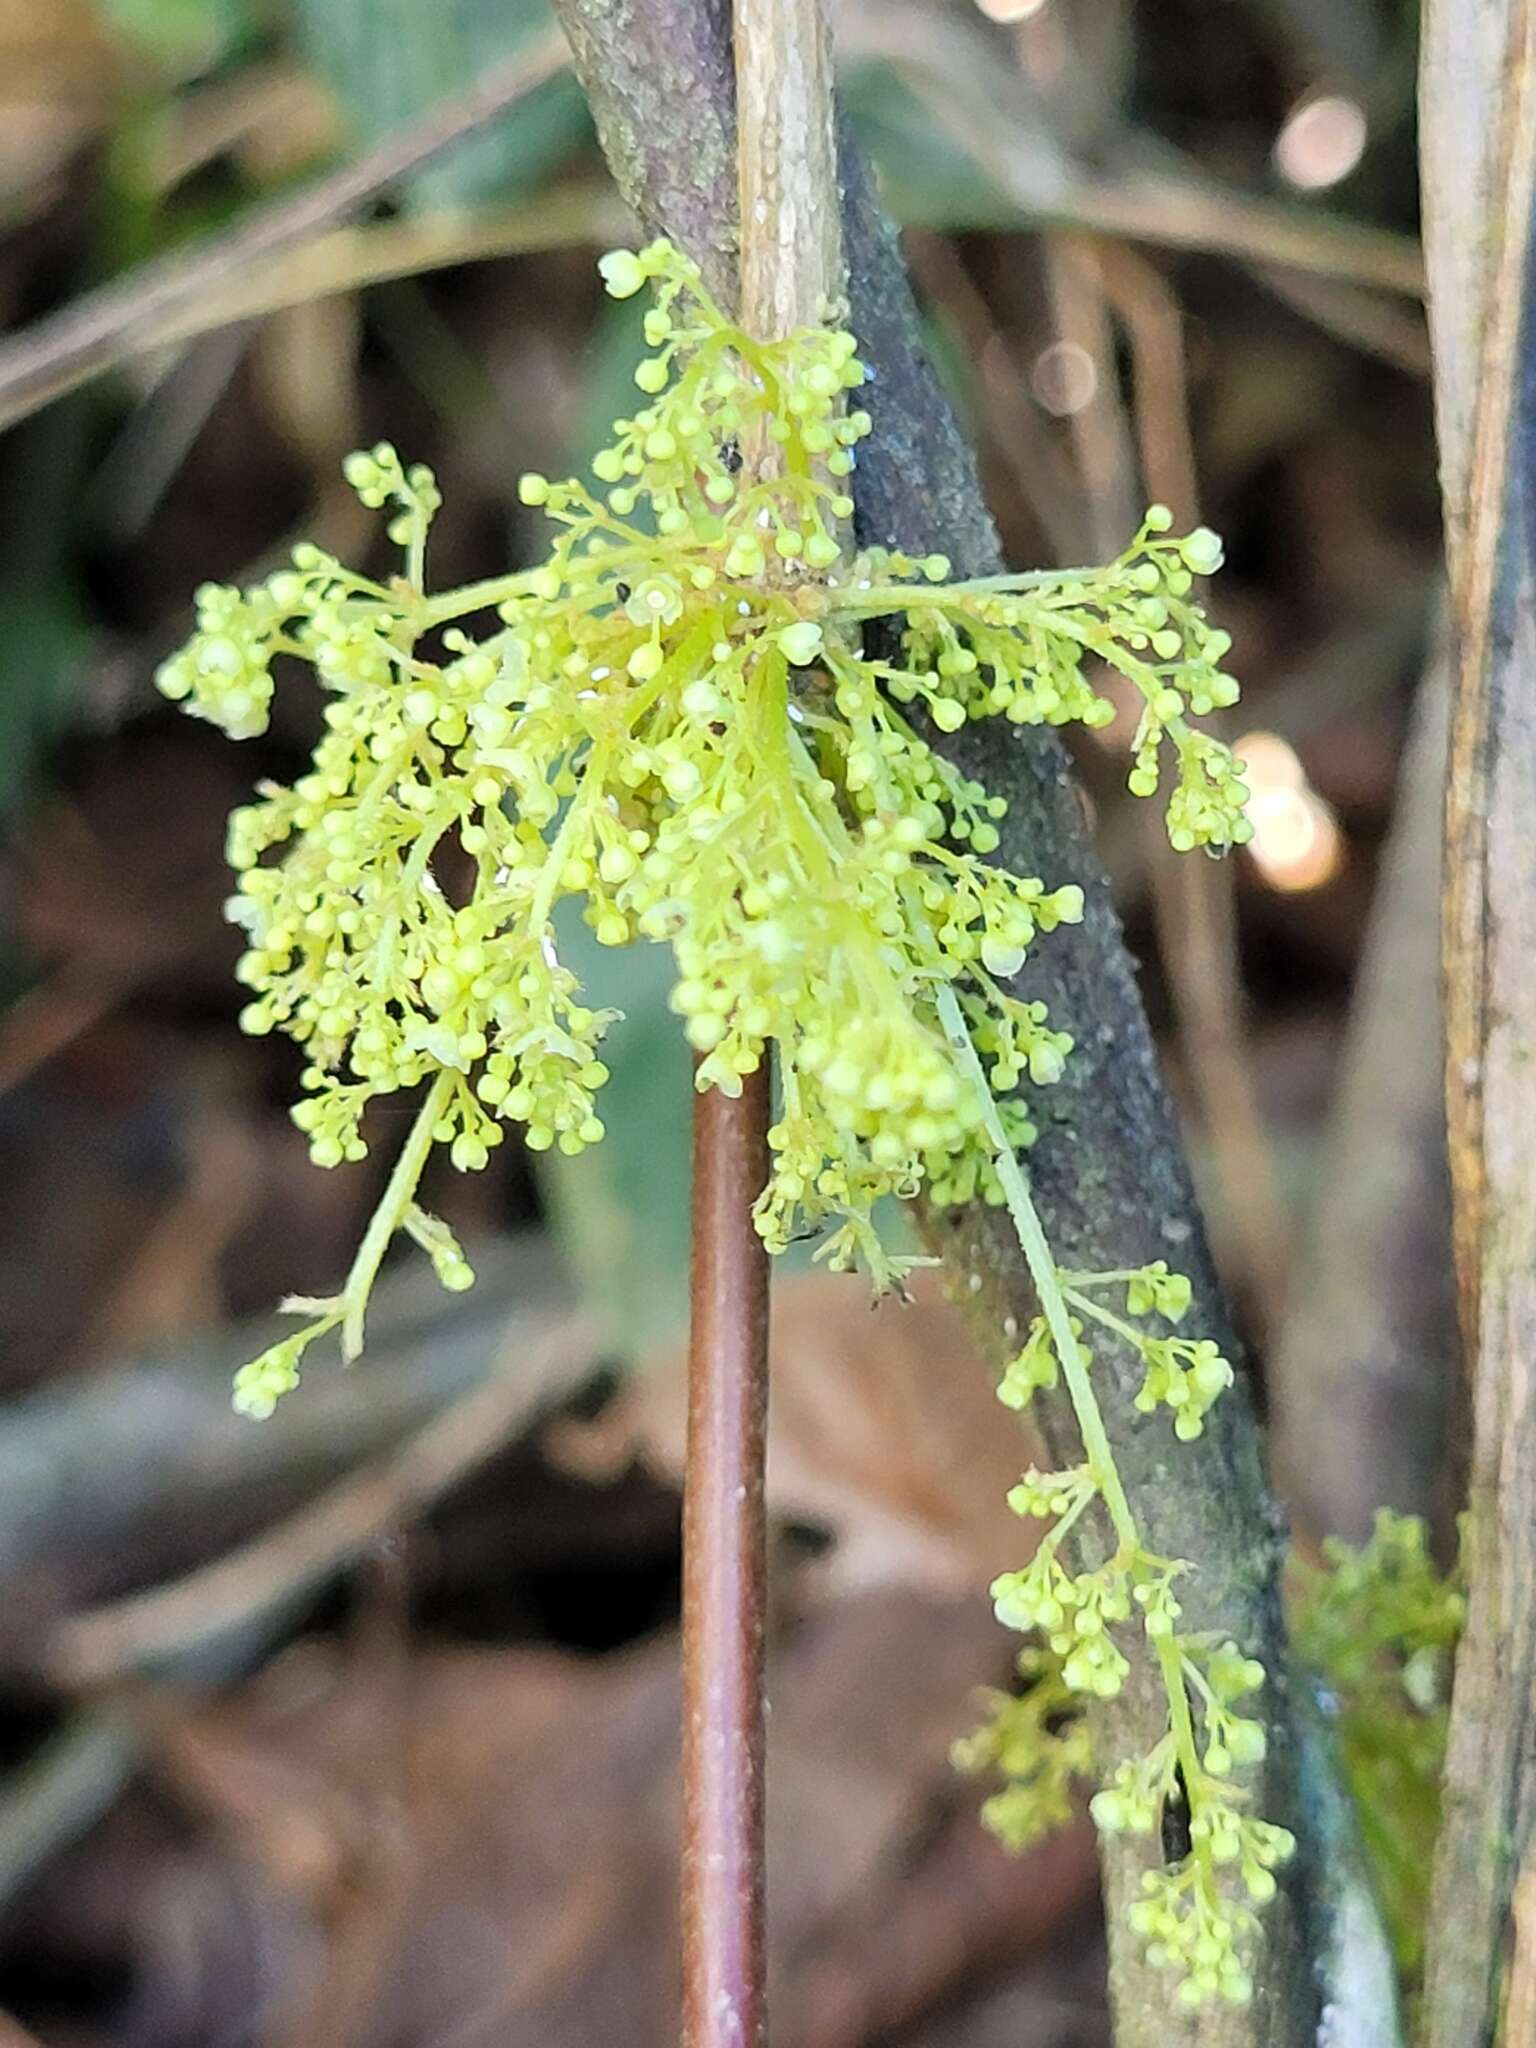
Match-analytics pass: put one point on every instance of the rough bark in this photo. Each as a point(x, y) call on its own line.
point(1478, 103)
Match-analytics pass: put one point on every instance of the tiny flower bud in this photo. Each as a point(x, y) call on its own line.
point(622, 273)
point(801, 643)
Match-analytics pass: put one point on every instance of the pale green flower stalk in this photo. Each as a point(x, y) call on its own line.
point(708, 756)
point(1192, 1923)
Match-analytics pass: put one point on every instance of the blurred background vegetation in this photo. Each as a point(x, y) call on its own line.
point(355, 1728)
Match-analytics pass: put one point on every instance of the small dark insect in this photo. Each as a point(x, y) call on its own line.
point(1177, 1840)
point(621, 592)
point(730, 455)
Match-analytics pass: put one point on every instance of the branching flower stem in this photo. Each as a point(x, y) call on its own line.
point(1047, 1280)
point(390, 1215)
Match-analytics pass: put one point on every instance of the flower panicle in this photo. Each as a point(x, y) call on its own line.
point(704, 754)
point(714, 725)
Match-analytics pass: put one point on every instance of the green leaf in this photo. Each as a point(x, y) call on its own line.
point(46, 641)
point(926, 179)
point(185, 36)
point(389, 60)
point(608, 390)
point(620, 1210)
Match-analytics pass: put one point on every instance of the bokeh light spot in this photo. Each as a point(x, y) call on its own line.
point(1323, 139)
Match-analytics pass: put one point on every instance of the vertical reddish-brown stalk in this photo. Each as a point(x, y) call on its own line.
point(724, 1568)
point(791, 270)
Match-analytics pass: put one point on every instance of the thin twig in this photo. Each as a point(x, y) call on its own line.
point(61, 1790)
point(1361, 1375)
point(351, 259)
point(786, 152)
point(1374, 321)
point(1009, 412)
point(997, 126)
point(79, 993)
point(725, 1579)
point(1194, 900)
point(68, 348)
point(287, 1562)
point(1099, 433)
point(99, 1449)
point(790, 269)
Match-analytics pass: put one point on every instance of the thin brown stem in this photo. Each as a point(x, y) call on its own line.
point(1361, 1379)
point(91, 334)
point(1012, 420)
point(1195, 901)
point(724, 1576)
point(790, 268)
point(1098, 430)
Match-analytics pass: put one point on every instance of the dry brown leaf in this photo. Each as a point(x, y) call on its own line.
point(56, 75)
point(306, 363)
point(882, 1429)
point(479, 1847)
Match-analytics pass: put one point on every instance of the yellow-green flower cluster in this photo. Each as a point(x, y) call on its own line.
point(1194, 1931)
point(675, 719)
point(703, 753)
point(1038, 1743)
point(1195, 1915)
point(1196, 1924)
point(1137, 618)
point(1185, 1375)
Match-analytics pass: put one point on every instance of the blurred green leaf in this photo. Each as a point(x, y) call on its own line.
point(925, 179)
point(184, 36)
point(620, 1210)
point(45, 633)
point(608, 389)
point(389, 60)
point(46, 641)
